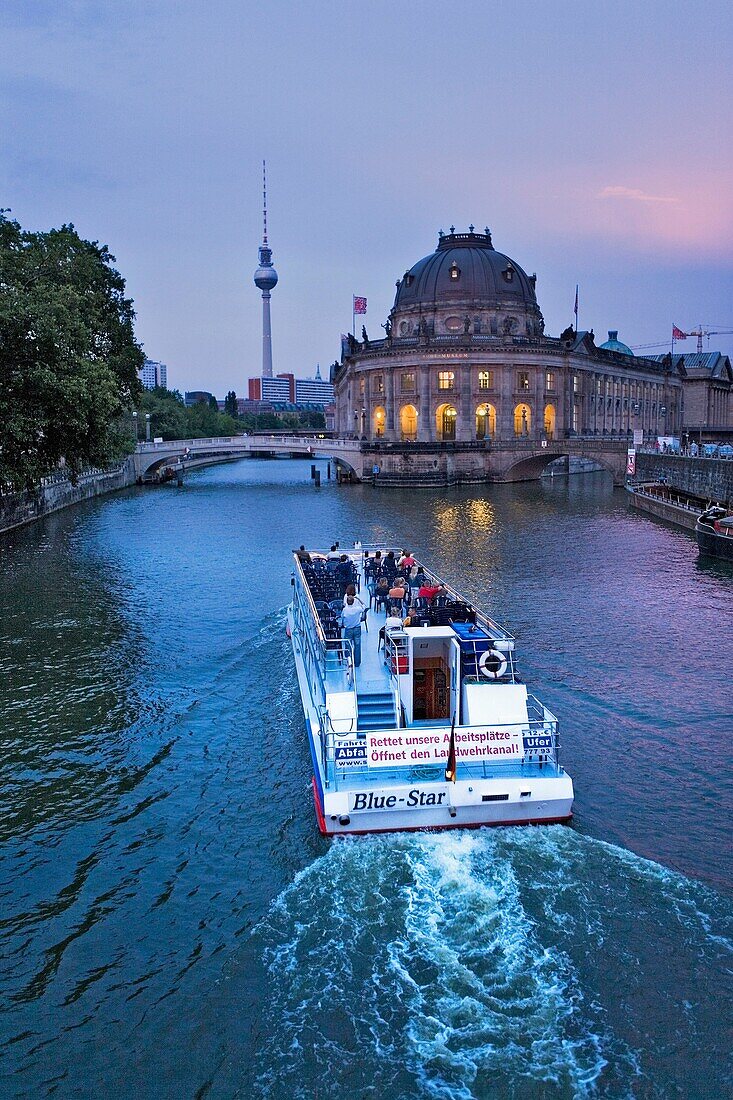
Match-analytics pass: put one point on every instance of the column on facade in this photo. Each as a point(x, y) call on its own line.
point(389, 409)
point(537, 428)
point(464, 427)
point(425, 426)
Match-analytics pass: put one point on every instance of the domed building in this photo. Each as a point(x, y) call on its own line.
point(466, 361)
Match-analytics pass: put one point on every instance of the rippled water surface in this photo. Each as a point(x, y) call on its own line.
point(171, 924)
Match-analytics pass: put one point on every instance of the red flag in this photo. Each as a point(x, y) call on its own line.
point(359, 305)
point(678, 334)
point(450, 768)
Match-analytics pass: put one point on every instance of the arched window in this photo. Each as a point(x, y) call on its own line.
point(550, 421)
point(445, 421)
point(522, 420)
point(408, 422)
point(485, 422)
point(378, 421)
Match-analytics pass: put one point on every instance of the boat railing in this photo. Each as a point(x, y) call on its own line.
point(540, 754)
point(329, 662)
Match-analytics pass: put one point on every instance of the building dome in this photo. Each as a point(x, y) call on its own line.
point(614, 344)
point(466, 285)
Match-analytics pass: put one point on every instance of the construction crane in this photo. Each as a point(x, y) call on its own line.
point(699, 332)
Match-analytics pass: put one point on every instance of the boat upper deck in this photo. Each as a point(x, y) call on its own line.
point(325, 593)
point(442, 664)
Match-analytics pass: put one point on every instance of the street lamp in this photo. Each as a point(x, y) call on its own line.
point(134, 425)
point(147, 427)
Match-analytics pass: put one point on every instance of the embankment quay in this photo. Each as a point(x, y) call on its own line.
point(383, 464)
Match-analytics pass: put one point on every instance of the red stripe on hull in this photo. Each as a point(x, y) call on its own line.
point(319, 810)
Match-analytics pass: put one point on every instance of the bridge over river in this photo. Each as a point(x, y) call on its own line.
point(389, 463)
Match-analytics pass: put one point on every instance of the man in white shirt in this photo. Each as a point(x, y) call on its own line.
point(351, 621)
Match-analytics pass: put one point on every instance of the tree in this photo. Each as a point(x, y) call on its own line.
point(213, 404)
point(167, 413)
point(69, 360)
point(230, 404)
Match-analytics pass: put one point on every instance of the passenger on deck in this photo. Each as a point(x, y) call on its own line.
point(430, 591)
point(394, 622)
point(398, 591)
point(406, 562)
point(381, 593)
point(343, 573)
point(334, 553)
point(390, 566)
point(351, 591)
point(351, 622)
point(303, 555)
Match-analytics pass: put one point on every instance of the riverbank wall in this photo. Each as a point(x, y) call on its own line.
point(711, 478)
point(57, 492)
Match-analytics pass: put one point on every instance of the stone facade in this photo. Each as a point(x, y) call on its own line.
point(466, 359)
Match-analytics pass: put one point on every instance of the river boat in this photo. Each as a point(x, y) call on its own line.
point(714, 533)
point(434, 728)
point(668, 503)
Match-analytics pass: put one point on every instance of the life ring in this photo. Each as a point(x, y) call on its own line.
point(492, 655)
point(287, 630)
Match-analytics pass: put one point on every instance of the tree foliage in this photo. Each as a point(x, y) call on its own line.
point(170, 419)
point(69, 360)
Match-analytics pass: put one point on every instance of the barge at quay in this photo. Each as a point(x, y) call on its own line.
point(427, 723)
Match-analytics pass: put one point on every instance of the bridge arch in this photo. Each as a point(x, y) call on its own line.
point(531, 465)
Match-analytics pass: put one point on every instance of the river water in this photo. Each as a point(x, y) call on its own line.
point(172, 924)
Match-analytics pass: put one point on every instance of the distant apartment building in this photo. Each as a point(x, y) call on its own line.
point(313, 391)
point(153, 374)
point(196, 397)
point(289, 390)
point(280, 390)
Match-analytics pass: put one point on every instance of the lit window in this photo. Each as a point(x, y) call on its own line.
point(486, 379)
point(379, 383)
point(550, 381)
point(508, 273)
point(576, 384)
point(523, 380)
point(407, 382)
point(455, 271)
point(446, 379)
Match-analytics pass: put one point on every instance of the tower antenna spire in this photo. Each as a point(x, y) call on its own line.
point(265, 280)
point(264, 202)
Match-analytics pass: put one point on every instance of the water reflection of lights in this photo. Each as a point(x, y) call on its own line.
point(481, 514)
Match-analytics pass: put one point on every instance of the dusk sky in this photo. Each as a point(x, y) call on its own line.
point(595, 140)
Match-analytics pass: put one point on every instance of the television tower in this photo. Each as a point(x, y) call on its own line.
point(265, 279)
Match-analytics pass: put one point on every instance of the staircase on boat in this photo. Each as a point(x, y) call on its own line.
point(376, 711)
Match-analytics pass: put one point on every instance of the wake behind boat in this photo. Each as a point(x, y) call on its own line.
point(417, 719)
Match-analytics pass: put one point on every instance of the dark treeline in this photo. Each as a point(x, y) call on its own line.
point(69, 360)
point(171, 419)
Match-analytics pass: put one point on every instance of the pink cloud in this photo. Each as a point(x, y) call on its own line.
point(633, 193)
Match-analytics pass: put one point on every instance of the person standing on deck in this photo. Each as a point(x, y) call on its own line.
point(351, 621)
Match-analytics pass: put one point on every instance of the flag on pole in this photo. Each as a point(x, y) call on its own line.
point(360, 305)
point(575, 310)
point(450, 768)
point(678, 334)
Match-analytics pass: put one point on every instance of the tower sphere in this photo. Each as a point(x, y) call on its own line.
point(265, 277)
